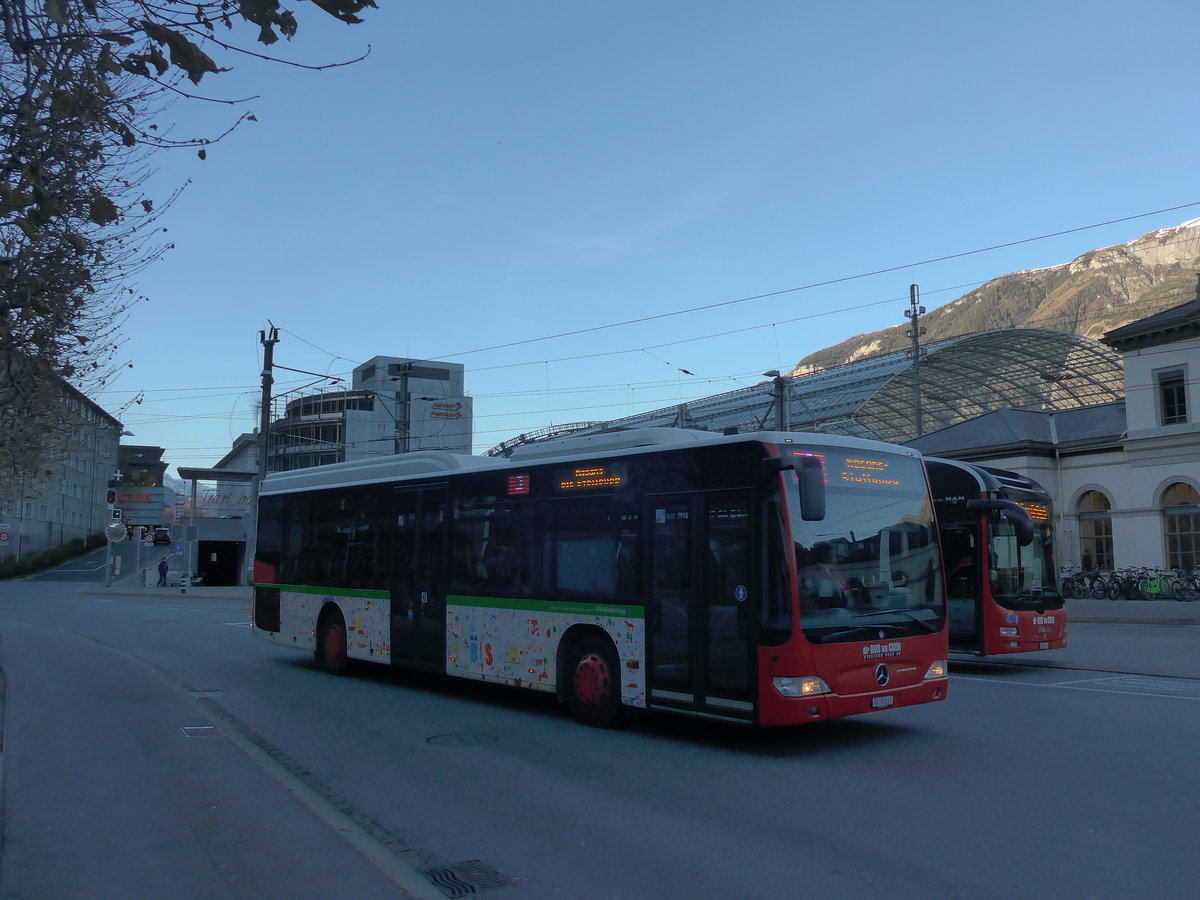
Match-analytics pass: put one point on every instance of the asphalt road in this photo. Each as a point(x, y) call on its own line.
point(155, 747)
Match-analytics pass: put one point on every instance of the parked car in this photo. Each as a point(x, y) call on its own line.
point(162, 535)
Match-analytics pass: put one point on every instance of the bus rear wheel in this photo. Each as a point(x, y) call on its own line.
point(331, 643)
point(595, 683)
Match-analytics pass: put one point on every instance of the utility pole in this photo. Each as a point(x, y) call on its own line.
point(268, 340)
point(401, 441)
point(914, 312)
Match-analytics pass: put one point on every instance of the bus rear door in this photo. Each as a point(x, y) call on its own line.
point(418, 575)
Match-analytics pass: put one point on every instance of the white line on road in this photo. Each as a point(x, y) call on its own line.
point(395, 859)
point(1083, 686)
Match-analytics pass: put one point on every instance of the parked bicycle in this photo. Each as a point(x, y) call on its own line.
point(1143, 583)
point(1130, 583)
point(1078, 584)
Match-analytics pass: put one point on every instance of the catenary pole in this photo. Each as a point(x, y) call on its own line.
point(914, 312)
point(268, 339)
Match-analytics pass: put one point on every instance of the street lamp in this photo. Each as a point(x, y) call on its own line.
point(781, 416)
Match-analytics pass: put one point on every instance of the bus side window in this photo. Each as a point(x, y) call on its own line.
point(494, 547)
point(469, 544)
point(595, 542)
point(363, 533)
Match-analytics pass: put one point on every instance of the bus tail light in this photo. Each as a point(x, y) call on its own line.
point(936, 670)
point(808, 686)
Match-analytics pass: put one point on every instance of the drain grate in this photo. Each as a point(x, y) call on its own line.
point(463, 878)
point(207, 695)
point(201, 731)
point(462, 740)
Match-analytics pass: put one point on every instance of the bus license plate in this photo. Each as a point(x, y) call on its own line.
point(881, 702)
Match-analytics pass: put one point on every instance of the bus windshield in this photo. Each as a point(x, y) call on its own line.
point(1021, 577)
point(870, 568)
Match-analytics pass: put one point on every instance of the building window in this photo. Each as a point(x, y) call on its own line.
point(1172, 397)
point(1181, 525)
point(1095, 531)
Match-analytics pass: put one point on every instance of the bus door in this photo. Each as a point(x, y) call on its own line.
point(965, 563)
point(699, 601)
point(418, 576)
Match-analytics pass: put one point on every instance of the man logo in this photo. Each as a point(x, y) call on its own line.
point(881, 675)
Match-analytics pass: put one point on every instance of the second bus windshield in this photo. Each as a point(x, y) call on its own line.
point(872, 562)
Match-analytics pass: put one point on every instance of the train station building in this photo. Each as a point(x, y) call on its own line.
point(1109, 427)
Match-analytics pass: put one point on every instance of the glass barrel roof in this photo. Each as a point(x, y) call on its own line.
point(960, 378)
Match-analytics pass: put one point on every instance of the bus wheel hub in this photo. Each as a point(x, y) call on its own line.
point(592, 680)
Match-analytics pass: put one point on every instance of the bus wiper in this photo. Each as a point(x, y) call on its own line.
point(904, 611)
point(857, 629)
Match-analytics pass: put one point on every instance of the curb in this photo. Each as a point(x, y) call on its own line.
point(170, 594)
point(1083, 619)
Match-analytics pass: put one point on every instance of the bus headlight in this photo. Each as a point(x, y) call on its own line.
point(808, 686)
point(1008, 632)
point(936, 670)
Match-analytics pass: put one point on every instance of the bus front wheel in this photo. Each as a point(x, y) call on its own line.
point(331, 643)
point(595, 683)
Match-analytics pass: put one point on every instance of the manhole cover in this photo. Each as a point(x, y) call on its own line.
point(462, 740)
point(463, 878)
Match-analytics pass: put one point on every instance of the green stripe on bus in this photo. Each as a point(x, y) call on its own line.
point(333, 592)
point(543, 606)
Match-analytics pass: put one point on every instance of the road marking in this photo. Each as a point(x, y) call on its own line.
point(1129, 685)
point(1078, 681)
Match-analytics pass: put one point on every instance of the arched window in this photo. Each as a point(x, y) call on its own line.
point(1181, 525)
point(1095, 531)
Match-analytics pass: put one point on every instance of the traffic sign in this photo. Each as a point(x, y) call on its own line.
point(115, 532)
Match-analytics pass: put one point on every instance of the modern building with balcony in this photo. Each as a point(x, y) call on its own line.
point(393, 405)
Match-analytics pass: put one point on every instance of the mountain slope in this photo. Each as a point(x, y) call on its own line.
point(1093, 294)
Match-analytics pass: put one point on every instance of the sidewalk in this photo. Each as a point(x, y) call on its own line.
point(1134, 612)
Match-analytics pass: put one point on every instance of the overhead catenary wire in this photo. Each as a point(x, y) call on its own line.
point(818, 284)
point(646, 401)
point(697, 338)
point(697, 382)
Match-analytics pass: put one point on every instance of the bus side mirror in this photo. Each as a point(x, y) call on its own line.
point(1018, 515)
point(771, 467)
point(810, 475)
point(812, 489)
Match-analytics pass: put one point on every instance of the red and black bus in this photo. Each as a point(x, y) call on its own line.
point(768, 578)
point(997, 533)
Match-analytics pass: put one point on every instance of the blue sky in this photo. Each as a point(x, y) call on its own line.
point(498, 172)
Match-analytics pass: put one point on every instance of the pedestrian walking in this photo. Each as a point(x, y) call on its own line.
point(162, 572)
